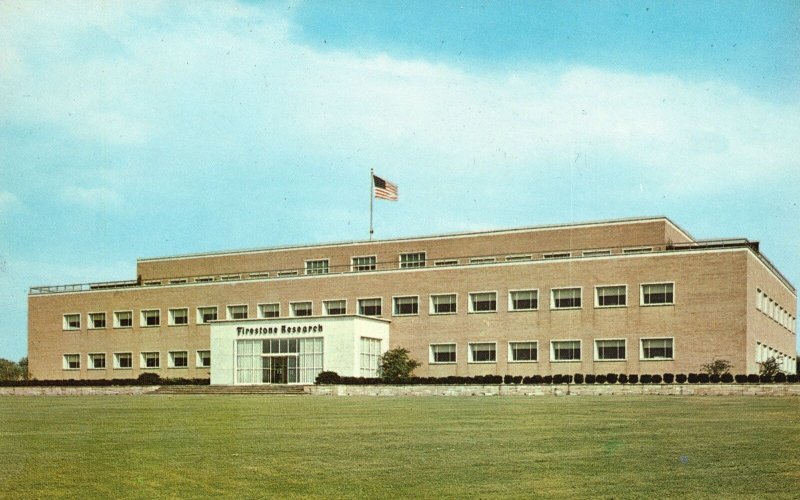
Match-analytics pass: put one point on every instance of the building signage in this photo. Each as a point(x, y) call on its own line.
point(278, 330)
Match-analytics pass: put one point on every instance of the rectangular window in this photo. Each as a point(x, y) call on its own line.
point(596, 253)
point(230, 277)
point(611, 296)
point(72, 361)
point(443, 353)
point(269, 310)
point(483, 302)
point(300, 309)
point(179, 316)
point(152, 283)
point(203, 359)
point(657, 294)
point(368, 263)
point(206, 314)
point(283, 274)
point(446, 262)
point(150, 360)
point(335, 307)
point(204, 279)
point(565, 350)
point(523, 351)
point(97, 320)
point(178, 359)
point(638, 250)
point(178, 281)
point(557, 255)
point(258, 275)
point(566, 298)
point(369, 307)
point(317, 266)
point(518, 258)
point(409, 260)
point(123, 360)
point(484, 352)
point(123, 319)
point(237, 312)
point(97, 361)
point(404, 306)
point(482, 260)
point(443, 304)
point(523, 300)
point(370, 356)
point(72, 322)
point(151, 317)
point(656, 348)
point(609, 350)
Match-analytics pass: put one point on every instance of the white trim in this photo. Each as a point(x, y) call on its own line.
point(90, 321)
point(596, 358)
point(445, 262)
point(258, 274)
point(424, 259)
point(519, 257)
point(358, 306)
point(204, 279)
point(511, 307)
point(511, 355)
point(641, 294)
point(293, 304)
point(115, 360)
point(171, 360)
point(597, 297)
point(143, 323)
point(553, 301)
point(198, 359)
point(228, 314)
point(482, 260)
point(641, 349)
point(635, 250)
point(65, 324)
point(432, 309)
point(394, 304)
point(325, 307)
point(260, 310)
point(327, 261)
point(199, 317)
point(171, 318)
point(430, 353)
point(116, 319)
point(470, 309)
point(65, 364)
point(290, 273)
point(600, 252)
point(553, 351)
point(469, 353)
point(230, 277)
point(143, 363)
point(556, 255)
point(178, 281)
point(89, 364)
point(353, 264)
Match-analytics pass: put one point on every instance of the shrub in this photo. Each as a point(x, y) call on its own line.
point(622, 378)
point(681, 378)
point(704, 378)
point(694, 378)
point(770, 367)
point(517, 379)
point(526, 380)
point(328, 378)
point(714, 378)
point(633, 379)
point(792, 378)
point(611, 378)
point(740, 379)
point(558, 379)
point(669, 378)
point(149, 379)
point(600, 379)
point(537, 379)
point(579, 378)
point(508, 379)
point(765, 378)
point(656, 379)
point(396, 366)
point(780, 378)
point(717, 367)
point(646, 379)
point(547, 379)
point(752, 378)
point(567, 379)
point(726, 378)
point(589, 378)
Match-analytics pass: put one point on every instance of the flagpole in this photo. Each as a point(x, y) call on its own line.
point(371, 184)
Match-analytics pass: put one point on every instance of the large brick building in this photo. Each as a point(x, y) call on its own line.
point(625, 296)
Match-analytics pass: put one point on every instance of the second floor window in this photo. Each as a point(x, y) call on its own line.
point(408, 260)
point(317, 266)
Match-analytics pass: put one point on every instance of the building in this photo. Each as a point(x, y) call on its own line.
point(626, 296)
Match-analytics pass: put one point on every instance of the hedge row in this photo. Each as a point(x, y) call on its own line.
point(144, 379)
point(578, 378)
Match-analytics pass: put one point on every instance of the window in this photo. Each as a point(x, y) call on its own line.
point(123, 360)
point(97, 361)
point(609, 350)
point(72, 361)
point(203, 359)
point(406, 306)
point(523, 300)
point(364, 263)
point(178, 281)
point(206, 314)
point(483, 302)
point(370, 355)
point(317, 266)
point(596, 253)
point(299, 309)
point(443, 304)
point(179, 316)
point(150, 360)
point(566, 298)
point(638, 250)
point(446, 262)
point(286, 273)
point(443, 353)
point(151, 317)
point(481, 260)
point(269, 310)
point(565, 350)
point(656, 348)
point(72, 322)
point(657, 294)
point(178, 359)
point(204, 279)
point(558, 255)
point(97, 320)
point(123, 319)
point(152, 283)
point(237, 312)
point(369, 307)
point(230, 277)
point(335, 307)
point(258, 275)
point(518, 258)
point(409, 260)
point(484, 352)
point(523, 351)
point(611, 296)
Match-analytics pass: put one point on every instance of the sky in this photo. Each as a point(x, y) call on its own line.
point(143, 129)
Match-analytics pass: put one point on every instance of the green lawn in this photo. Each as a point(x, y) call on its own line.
point(426, 447)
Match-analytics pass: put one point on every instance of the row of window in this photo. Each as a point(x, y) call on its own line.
point(775, 311)
point(406, 261)
point(560, 350)
point(124, 360)
point(479, 302)
point(764, 352)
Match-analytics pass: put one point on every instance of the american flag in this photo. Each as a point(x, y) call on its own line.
point(384, 189)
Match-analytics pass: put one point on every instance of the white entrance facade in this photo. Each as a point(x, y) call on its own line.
point(296, 350)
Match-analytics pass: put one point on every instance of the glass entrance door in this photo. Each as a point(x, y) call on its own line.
point(279, 369)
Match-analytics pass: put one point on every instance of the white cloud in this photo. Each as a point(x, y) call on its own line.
point(99, 197)
point(7, 201)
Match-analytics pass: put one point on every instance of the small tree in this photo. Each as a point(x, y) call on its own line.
point(396, 365)
point(23, 366)
point(717, 367)
point(9, 370)
point(770, 367)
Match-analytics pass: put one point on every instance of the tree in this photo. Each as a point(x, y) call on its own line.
point(396, 365)
point(717, 367)
point(9, 370)
point(770, 367)
point(23, 366)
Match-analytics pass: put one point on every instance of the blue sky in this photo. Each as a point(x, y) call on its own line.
point(141, 129)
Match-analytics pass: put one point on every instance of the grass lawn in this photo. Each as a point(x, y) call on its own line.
point(426, 447)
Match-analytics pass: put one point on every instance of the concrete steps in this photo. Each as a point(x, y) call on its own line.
point(280, 390)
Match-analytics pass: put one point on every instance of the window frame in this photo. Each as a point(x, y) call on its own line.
point(293, 309)
point(117, 322)
point(470, 358)
point(511, 351)
point(600, 252)
point(65, 363)
point(65, 325)
point(201, 320)
point(229, 313)
point(117, 357)
point(380, 306)
point(641, 348)
point(519, 257)
point(553, 351)
point(658, 304)
point(143, 360)
point(571, 308)
point(556, 255)
point(324, 270)
point(260, 310)
point(171, 316)
point(204, 279)
point(178, 281)
point(416, 264)
point(90, 361)
point(143, 321)
point(355, 268)
point(326, 307)
point(445, 262)
point(482, 260)
point(432, 307)
point(470, 305)
point(596, 351)
point(171, 359)
point(198, 360)
point(636, 250)
point(597, 296)
point(394, 305)
point(91, 323)
point(432, 357)
point(512, 308)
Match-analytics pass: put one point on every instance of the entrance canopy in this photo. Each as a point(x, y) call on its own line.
point(296, 350)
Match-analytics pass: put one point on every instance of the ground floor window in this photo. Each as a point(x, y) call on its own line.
point(369, 307)
point(606, 350)
point(523, 351)
point(203, 359)
point(370, 354)
point(150, 360)
point(178, 359)
point(278, 361)
point(656, 349)
point(443, 353)
point(123, 360)
point(97, 361)
point(565, 350)
point(484, 352)
point(72, 361)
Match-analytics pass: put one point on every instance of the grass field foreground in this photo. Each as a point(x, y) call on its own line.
point(436, 447)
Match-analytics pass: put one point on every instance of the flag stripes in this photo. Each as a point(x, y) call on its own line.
point(384, 189)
